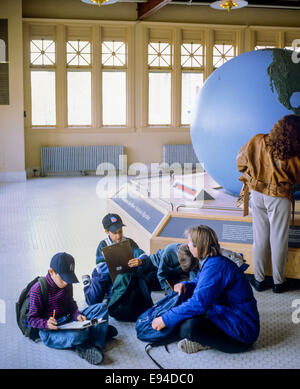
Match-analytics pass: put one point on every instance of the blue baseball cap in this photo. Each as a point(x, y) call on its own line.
point(64, 265)
point(112, 222)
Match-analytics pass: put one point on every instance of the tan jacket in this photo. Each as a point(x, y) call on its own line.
point(264, 174)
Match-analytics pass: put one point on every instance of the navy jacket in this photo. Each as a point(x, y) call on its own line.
point(223, 294)
point(167, 264)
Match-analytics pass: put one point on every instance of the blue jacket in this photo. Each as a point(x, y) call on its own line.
point(167, 264)
point(223, 294)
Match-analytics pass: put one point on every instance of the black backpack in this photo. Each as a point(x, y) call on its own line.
point(131, 296)
point(22, 307)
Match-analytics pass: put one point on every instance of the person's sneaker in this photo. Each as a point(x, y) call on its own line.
point(259, 286)
point(91, 354)
point(86, 279)
point(189, 347)
point(280, 288)
point(111, 332)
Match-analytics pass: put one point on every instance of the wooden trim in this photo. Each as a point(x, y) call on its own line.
point(209, 44)
point(161, 129)
point(130, 78)
point(246, 219)
point(26, 75)
point(61, 83)
point(161, 226)
point(77, 130)
point(150, 7)
point(176, 79)
point(50, 21)
point(96, 75)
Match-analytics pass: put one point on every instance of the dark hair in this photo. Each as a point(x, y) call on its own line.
point(205, 239)
point(186, 259)
point(283, 141)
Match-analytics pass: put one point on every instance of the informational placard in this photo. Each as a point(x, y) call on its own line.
point(227, 231)
point(144, 213)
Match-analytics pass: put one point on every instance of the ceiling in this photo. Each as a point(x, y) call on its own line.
point(148, 7)
point(251, 3)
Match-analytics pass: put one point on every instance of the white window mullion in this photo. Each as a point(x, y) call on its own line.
point(160, 62)
point(96, 78)
point(78, 58)
point(192, 69)
point(61, 79)
point(176, 80)
point(114, 83)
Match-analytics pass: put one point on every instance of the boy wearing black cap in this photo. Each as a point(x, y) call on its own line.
point(100, 285)
point(61, 308)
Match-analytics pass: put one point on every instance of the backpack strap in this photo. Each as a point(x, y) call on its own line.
point(147, 349)
point(44, 291)
point(69, 289)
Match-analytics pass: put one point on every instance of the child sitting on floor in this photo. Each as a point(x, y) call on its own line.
point(176, 263)
point(167, 262)
point(61, 308)
point(100, 285)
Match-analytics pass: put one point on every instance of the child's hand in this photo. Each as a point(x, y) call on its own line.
point(158, 324)
point(81, 318)
point(52, 323)
point(134, 262)
point(179, 288)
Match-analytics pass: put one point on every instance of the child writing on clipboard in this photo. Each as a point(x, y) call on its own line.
point(88, 343)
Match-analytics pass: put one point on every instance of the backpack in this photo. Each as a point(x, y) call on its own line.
point(130, 297)
point(154, 338)
point(22, 307)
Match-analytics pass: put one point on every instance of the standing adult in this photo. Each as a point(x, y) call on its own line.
point(270, 166)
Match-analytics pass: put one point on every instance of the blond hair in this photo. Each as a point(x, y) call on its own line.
point(205, 240)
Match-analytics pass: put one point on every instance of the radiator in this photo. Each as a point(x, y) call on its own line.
point(78, 158)
point(179, 153)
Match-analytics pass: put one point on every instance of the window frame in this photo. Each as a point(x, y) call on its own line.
point(98, 31)
point(192, 69)
point(42, 67)
point(136, 35)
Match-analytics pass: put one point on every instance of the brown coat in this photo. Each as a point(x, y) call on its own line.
point(264, 174)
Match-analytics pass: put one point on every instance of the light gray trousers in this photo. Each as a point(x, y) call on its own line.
point(271, 220)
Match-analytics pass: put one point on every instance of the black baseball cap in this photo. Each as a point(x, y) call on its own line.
point(64, 265)
point(112, 222)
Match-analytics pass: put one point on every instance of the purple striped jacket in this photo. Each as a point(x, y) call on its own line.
point(57, 300)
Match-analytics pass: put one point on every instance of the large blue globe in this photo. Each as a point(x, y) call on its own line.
point(245, 96)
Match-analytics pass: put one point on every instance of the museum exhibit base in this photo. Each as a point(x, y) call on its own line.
point(156, 222)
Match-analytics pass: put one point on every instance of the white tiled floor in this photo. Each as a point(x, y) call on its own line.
point(46, 215)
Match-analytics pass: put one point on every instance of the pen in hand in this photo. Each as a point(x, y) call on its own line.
point(169, 285)
point(51, 322)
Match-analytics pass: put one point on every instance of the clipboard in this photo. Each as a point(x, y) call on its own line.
point(80, 325)
point(117, 256)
